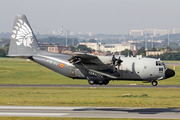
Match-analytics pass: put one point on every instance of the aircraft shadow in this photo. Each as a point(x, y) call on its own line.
point(132, 110)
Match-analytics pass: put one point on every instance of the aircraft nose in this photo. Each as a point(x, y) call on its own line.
point(169, 73)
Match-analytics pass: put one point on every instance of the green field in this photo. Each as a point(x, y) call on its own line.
point(28, 72)
point(98, 97)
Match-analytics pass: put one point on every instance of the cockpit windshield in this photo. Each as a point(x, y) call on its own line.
point(165, 67)
point(160, 63)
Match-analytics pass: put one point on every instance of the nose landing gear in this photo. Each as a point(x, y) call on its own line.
point(154, 83)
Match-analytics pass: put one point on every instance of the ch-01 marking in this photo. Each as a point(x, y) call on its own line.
point(52, 62)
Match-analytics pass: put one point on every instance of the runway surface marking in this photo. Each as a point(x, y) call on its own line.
point(90, 112)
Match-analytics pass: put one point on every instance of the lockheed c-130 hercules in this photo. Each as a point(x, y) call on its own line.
point(96, 69)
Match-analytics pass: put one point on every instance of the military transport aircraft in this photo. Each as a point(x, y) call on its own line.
point(96, 69)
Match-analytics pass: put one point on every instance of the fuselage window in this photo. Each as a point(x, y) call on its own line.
point(160, 69)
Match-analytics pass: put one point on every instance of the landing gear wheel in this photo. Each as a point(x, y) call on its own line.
point(154, 83)
point(106, 82)
point(100, 82)
point(91, 82)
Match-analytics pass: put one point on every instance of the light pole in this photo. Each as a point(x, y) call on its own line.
point(146, 40)
point(168, 37)
point(66, 38)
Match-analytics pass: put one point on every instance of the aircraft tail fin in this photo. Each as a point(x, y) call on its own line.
point(23, 41)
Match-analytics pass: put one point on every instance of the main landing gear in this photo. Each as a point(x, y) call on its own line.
point(154, 83)
point(98, 82)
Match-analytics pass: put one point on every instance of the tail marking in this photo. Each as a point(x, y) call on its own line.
point(23, 34)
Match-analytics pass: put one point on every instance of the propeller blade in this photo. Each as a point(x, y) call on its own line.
point(114, 68)
point(118, 69)
point(113, 60)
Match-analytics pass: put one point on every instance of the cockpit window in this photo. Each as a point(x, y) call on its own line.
point(160, 63)
point(165, 67)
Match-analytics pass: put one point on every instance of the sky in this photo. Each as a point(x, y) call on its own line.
point(96, 16)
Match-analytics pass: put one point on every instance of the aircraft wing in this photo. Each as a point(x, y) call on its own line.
point(83, 55)
point(84, 58)
point(94, 64)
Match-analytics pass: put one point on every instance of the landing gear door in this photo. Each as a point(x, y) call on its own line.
point(72, 72)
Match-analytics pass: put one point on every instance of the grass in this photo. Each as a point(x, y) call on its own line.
point(98, 97)
point(171, 61)
point(28, 72)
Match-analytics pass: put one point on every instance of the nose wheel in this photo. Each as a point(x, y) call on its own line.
point(154, 83)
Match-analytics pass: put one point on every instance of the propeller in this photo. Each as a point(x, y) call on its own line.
point(116, 62)
point(119, 61)
point(113, 63)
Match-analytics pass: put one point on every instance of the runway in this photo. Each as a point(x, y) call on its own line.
point(94, 86)
point(90, 112)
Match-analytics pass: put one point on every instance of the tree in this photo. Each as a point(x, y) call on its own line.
point(169, 48)
point(92, 40)
point(84, 48)
point(152, 49)
point(2, 52)
point(73, 48)
point(84, 41)
point(126, 52)
point(141, 52)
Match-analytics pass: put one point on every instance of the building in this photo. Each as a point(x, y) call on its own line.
point(111, 47)
point(156, 52)
point(118, 47)
point(95, 46)
point(44, 46)
point(176, 30)
point(150, 31)
point(59, 49)
point(160, 32)
point(136, 33)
